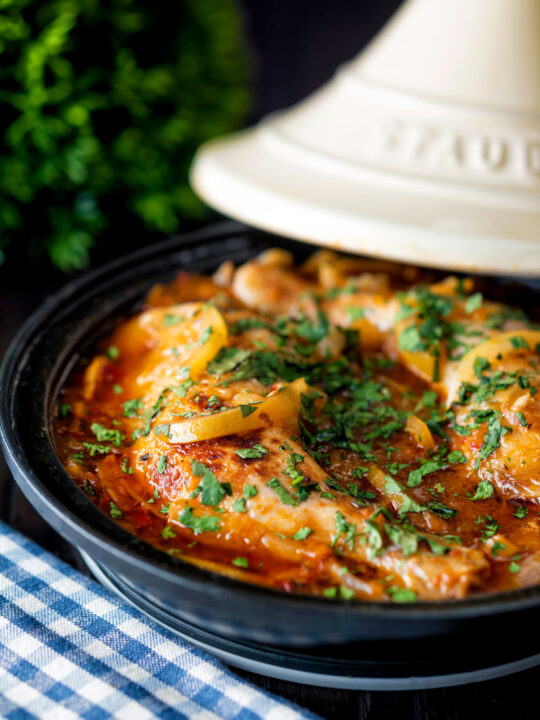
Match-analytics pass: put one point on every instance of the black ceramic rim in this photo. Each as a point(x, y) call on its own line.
point(38, 474)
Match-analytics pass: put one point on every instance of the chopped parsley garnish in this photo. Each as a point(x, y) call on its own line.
point(519, 343)
point(456, 456)
point(430, 327)
point(429, 399)
point(354, 312)
point(205, 335)
point(88, 489)
point(181, 390)
point(250, 323)
point(283, 494)
point(407, 503)
point(521, 512)
point(125, 467)
point(112, 352)
point(480, 366)
point(199, 524)
point(252, 453)
point(64, 409)
point(131, 407)
point(302, 534)
point(439, 508)
point(522, 419)
point(104, 434)
point(373, 533)
point(168, 533)
point(162, 464)
point(240, 562)
point(345, 592)
point(488, 385)
point(227, 359)
point(492, 438)
point(250, 491)
point(210, 489)
point(114, 511)
point(405, 539)
point(291, 470)
point(346, 531)
point(483, 491)
point(239, 506)
point(163, 430)
point(246, 410)
point(311, 332)
point(428, 467)
point(96, 449)
point(401, 595)
point(170, 319)
point(490, 527)
point(473, 302)
point(150, 414)
point(498, 319)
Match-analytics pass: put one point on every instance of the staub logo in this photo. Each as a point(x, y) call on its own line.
point(495, 157)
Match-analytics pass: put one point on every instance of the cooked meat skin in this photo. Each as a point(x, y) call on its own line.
point(339, 428)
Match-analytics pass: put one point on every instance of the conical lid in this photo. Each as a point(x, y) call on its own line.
point(425, 148)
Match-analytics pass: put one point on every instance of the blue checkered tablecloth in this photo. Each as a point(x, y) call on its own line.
point(70, 649)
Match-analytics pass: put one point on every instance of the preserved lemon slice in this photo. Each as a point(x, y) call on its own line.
point(279, 407)
point(494, 351)
point(166, 343)
point(203, 337)
point(370, 336)
point(422, 363)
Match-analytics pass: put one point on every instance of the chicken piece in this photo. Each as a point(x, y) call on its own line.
point(241, 424)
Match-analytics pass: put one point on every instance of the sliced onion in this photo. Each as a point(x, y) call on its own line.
point(377, 478)
point(283, 405)
point(418, 429)
point(380, 481)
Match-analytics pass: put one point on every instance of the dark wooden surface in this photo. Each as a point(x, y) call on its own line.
point(295, 45)
point(510, 697)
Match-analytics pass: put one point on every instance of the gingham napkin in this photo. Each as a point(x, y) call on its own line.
point(70, 649)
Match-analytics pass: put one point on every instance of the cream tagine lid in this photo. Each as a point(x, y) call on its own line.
point(425, 148)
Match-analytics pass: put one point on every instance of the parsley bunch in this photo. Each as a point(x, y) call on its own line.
point(103, 106)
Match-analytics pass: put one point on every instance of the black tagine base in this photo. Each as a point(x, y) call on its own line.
point(334, 646)
point(359, 666)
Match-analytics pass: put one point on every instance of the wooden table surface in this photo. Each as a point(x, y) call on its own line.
point(512, 698)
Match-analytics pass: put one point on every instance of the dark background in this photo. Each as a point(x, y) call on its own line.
point(295, 45)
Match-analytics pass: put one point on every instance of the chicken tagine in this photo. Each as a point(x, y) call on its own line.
point(343, 428)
